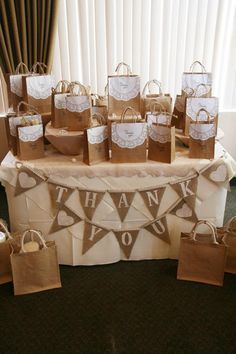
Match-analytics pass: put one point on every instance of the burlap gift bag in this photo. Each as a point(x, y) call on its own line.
point(30, 140)
point(147, 98)
point(192, 79)
point(202, 139)
point(228, 233)
point(78, 107)
point(58, 109)
point(161, 139)
point(128, 140)
point(35, 271)
point(123, 91)
point(202, 262)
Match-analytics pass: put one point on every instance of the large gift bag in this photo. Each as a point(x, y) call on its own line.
point(161, 139)
point(199, 261)
point(78, 107)
point(192, 79)
point(128, 140)
point(229, 238)
point(5, 250)
point(202, 138)
point(58, 109)
point(36, 270)
point(123, 91)
point(96, 146)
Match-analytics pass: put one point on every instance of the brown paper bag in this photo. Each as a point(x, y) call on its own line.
point(161, 139)
point(228, 233)
point(203, 262)
point(202, 138)
point(128, 140)
point(123, 91)
point(35, 271)
point(30, 142)
point(178, 120)
point(191, 79)
point(58, 109)
point(100, 104)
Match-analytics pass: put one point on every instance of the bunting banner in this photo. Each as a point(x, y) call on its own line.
point(89, 201)
point(58, 194)
point(152, 199)
point(184, 211)
point(122, 201)
point(92, 234)
point(64, 218)
point(187, 189)
point(217, 173)
point(26, 180)
point(126, 240)
point(159, 229)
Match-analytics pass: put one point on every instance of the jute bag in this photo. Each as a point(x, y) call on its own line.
point(128, 140)
point(5, 250)
point(202, 262)
point(123, 91)
point(202, 138)
point(58, 109)
point(191, 79)
point(161, 139)
point(229, 238)
point(96, 147)
point(35, 271)
point(78, 107)
point(146, 99)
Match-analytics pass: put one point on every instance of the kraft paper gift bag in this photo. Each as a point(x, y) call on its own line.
point(229, 238)
point(35, 271)
point(202, 262)
point(30, 141)
point(146, 99)
point(123, 91)
point(192, 79)
point(100, 104)
point(58, 109)
point(202, 138)
point(78, 107)
point(128, 140)
point(161, 139)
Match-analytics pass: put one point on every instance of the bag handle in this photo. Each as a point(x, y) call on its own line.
point(42, 67)
point(168, 118)
point(61, 87)
point(134, 113)
point(20, 66)
point(3, 226)
point(203, 110)
point(82, 88)
point(155, 103)
point(30, 109)
point(229, 222)
point(197, 87)
point(147, 85)
point(210, 225)
point(36, 233)
point(101, 119)
point(194, 64)
point(128, 69)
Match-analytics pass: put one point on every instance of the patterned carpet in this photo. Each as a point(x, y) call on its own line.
point(127, 307)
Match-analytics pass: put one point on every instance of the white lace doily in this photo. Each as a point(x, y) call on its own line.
point(77, 103)
point(210, 104)
point(97, 135)
point(159, 118)
point(16, 84)
point(39, 86)
point(31, 133)
point(60, 100)
point(14, 121)
point(124, 87)
point(160, 134)
point(129, 135)
point(202, 131)
point(192, 80)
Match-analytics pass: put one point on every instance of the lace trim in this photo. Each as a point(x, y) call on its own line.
point(77, 103)
point(124, 88)
point(31, 133)
point(160, 134)
point(16, 84)
point(40, 86)
point(97, 135)
point(129, 135)
point(60, 100)
point(202, 131)
point(192, 80)
point(194, 104)
point(160, 118)
point(14, 121)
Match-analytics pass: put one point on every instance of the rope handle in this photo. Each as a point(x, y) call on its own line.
point(3, 226)
point(194, 64)
point(207, 113)
point(82, 88)
point(197, 87)
point(147, 85)
point(39, 235)
point(228, 224)
point(41, 66)
point(61, 87)
point(20, 66)
point(101, 119)
point(30, 109)
point(134, 113)
point(128, 69)
point(155, 103)
point(210, 225)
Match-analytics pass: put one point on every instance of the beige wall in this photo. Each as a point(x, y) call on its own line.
point(227, 122)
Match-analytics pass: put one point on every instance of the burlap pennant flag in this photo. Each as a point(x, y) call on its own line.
point(64, 218)
point(183, 210)
point(122, 201)
point(59, 194)
point(92, 234)
point(159, 229)
point(152, 199)
point(126, 239)
point(89, 201)
point(217, 173)
point(26, 180)
point(187, 189)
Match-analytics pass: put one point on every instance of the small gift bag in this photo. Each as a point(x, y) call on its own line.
point(155, 107)
point(123, 91)
point(161, 141)
point(191, 79)
point(199, 261)
point(59, 112)
point(100, 104)
point(128, 140)
point(78, 107)
point(5, 250)
point(229, 238)
point(202, 138)
point(96, 147)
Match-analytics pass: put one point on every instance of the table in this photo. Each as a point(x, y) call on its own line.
point(99, 239)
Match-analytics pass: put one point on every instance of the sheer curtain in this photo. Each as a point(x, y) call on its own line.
point(158, 38)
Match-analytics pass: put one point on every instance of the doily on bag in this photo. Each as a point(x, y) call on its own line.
point(129, 135)
point(31, 133)
point(124, 88)
point(202, 131)
point(97, 135)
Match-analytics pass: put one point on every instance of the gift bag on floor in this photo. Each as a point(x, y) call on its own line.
point(123, 91)
point(58, 109)
point(192, 79)
point(229, 238)
point(5, 250)
point(128, 140)
point(202, 262)
point(35, 271)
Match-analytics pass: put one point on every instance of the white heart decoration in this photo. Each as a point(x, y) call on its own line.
point(219, 175)
point(26, 181)
point(184, 212)
point(63, 219)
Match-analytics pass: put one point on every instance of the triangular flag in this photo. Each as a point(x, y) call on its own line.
point(26, 180)
point(187, 188)
point(159, 228)
point(126, 239)
point(64, 218)
point(217, 173)
point(184, 211)
point(92, 234)
point(59, 194)
point(152, 199)
point(90, 201)
point(122, 201)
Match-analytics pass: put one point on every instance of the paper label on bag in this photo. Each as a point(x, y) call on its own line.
point(77, 103)
point(202, 131)
point(160, 134)
point(129, 135)
point(124, 87)
point(60, 100)
point(192, 80)
point(14, 121)
point(16, 84)
point(194, 104)
point(39, 86)
point(97, 135)
point(30, 133)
